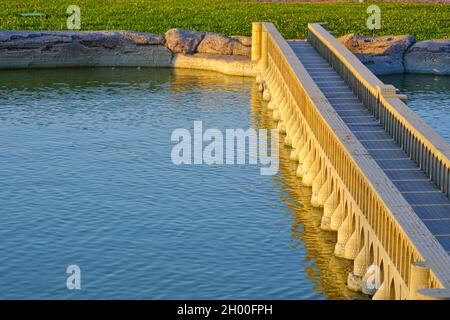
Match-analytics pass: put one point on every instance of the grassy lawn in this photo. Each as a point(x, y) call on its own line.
point(426, 21)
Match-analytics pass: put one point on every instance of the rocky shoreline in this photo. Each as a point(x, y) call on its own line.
point(201, 50)
point(400, 54)
point(49, 49)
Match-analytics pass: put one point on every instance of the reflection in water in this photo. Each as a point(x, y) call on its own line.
point(327, 272)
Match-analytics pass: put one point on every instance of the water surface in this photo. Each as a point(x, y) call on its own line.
point(428, 96)
point(86, 178)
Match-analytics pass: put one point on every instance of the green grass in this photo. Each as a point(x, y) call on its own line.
point(426, 21)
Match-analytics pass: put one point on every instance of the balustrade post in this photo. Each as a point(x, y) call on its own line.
point(264, 58)
point(256, 41)
point(419, 279)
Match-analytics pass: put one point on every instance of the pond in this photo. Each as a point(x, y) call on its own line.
point(87, 179)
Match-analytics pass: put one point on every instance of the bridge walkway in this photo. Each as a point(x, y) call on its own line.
point(427, 201)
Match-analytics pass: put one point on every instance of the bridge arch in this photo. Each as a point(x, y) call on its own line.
point(347, 209)
point(392, 293)
point(371, 260)
point(353, 224)
point(382, 272)
point(361, 238)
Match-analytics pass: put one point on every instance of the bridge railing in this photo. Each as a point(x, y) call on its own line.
point(422, 144)
point(393, 221)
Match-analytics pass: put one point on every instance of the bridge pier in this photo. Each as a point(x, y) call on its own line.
point(311, 173)
point(274, 86)
point(302, 144)
point(361, 262)
point(338, 215)
point(356, 278)
point(266, 95)
point(326, 189)
point(317, 184)
point(328, 209)
point(292, 131)
point(343, 235)
point(303, 154)
point(308, 167)
point(351, 246)
point(298, 141)
point(293, 156)
point(284, 114)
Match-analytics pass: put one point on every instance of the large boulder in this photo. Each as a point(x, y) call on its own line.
point(241, 50)
point(430, 56)
point(215, 43)
point(244, 40)
point(182, 40)
point(27, 49)
point(382, 55)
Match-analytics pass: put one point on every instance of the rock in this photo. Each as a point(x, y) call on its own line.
point(143, 38)
point(241, 50)
point(183, 41)
point(215, 43)
point(354, 282)
point(430, 56)
point(382, 55)
point(118, 38)
point(28, 49)
point(244, 40)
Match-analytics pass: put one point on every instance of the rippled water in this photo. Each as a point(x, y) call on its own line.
point(428, 96)
point(86, 179)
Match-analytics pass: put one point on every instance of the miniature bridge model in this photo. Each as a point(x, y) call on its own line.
point(380, 173)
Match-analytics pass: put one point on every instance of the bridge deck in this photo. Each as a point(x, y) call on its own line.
point(430, 205)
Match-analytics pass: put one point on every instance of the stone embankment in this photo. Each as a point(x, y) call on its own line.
point(400, 54)
point(177, 48)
